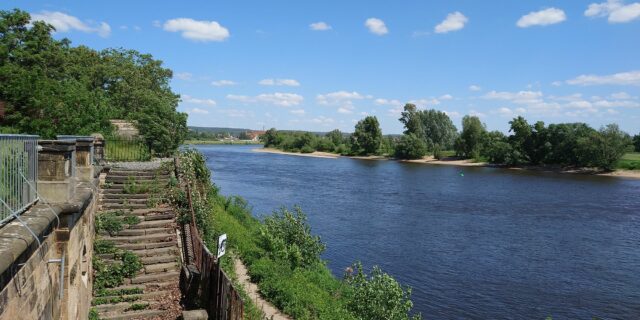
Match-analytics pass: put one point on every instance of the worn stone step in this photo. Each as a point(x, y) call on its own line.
point(143, 253)
point(145, 231)
point(148, 261)
point(140, 314)
point(118, 171)
point(120, 306)
point(125, 201)
point(144, 246)
point(152, 238)
point(128, 177)
point(156, 277)
point(160, 268)
point(146, 287)
point(159, 223)
point(124, 206)
point(125, 196)
point(140, 296)
point(148, 211)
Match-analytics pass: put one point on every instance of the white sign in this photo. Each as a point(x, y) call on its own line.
point(222, 245)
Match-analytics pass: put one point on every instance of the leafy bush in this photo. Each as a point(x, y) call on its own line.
point(378, 296)
point(110, 275)
point(410, 146)
point(288, 236)
point(109, 222)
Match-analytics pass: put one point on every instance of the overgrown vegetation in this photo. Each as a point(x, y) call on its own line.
point(283, 256)
point(573, 145)
point(52, 88)
point(112, 274)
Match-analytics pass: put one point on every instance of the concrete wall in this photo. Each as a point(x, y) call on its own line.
point(30, 272)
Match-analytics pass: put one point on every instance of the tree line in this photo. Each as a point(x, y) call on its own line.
point(431, 132)
point(51, 88)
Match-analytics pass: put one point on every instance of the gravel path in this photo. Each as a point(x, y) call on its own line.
point(270, 311)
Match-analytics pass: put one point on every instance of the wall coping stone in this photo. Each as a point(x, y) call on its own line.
point(57, 145)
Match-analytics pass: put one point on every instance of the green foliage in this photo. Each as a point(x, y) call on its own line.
point(636, 143)
point(110, 275)
point(287, 235)
point(378, 296)
point(115, 299)
point(433, 127)
point(101, 246)
point(109, 222)
point(93, 314)
point(52, 88)
point(604, 148)
point(131, 220)
point(630, 161)
point(118, 292)
point(131, 186)
point(410, 146)
point(470, 142)
point(367, 138)
point(139, 306)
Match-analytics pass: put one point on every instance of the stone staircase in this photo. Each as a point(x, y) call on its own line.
point(153, 293)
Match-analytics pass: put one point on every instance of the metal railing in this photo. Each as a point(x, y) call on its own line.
point(118, 149)
point(18, 174)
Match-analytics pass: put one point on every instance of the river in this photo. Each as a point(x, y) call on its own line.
point(473, 243)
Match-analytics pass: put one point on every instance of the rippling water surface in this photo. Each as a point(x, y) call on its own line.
point(492, 244)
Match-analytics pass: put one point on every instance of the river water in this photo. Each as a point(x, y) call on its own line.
point(473, 243)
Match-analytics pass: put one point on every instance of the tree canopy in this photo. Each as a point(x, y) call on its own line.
point(367, 138)
point(51, 88)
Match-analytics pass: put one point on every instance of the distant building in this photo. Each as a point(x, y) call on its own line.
point(255, 135)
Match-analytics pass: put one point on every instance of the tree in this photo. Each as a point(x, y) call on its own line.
point(377, 296)
point(410, 118)
point(605, 147)
point(470, 142)
point(367, 136)
point(636, 142)
point(410, 146)
point(497, 148)
point(439, 131)
point(270, 138)
point(519, 140)
point(336, 137)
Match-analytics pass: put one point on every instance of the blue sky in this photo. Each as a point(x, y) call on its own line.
point(326, 64)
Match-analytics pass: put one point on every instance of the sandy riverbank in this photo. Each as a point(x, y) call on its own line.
point(633, 174)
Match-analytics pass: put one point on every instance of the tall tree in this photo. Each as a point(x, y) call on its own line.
point(636, 142)
point(604, 148)
point(367, 136)
point(410, 118)
point(472, 138)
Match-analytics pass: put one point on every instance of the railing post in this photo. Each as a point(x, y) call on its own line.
point(84, 157)
point(56, 170)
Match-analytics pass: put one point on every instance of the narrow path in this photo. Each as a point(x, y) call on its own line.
point(270, 311)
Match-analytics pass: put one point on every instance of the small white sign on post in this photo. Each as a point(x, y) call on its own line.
point(222, 245)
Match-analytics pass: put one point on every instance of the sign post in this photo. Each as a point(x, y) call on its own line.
point(222, 245)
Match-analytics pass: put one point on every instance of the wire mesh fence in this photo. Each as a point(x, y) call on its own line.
point(18, 169)
point(118, 149)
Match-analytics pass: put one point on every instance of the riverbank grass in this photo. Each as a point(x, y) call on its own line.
point(630, 161)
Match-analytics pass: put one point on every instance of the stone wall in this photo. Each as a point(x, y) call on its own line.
point(30, 269)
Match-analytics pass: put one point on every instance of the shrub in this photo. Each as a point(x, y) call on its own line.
point(410, 146)
point(109, 222)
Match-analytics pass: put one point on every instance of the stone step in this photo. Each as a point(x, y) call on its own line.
point(120, 306)
point(144, 246)
point(121, 172)
point(142, 232)
point(152, 286)
point(161, 267)
point(147, 224)
point(149, 261)
point(127, 200)
point(125, 196)
point(152, 238)
point(146, 177)
point(124, 206)
point(140, 314)
point(156, 277)
point(148, 211)
point(147, 253)
point(140, 296)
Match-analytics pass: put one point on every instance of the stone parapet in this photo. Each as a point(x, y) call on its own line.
point(56, 170)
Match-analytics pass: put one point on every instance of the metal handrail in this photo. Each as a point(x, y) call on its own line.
point(18, 173)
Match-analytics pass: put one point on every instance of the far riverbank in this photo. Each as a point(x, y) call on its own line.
point(634, 174)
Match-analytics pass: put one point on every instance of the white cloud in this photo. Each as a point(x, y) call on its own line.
point(65, 23)
point(621, 96)
point(344, 110)
point(505, 112)
point(474, 87)
point(452, 114)
point(521, 97)
point(297, 112)
point(476, 113)
point(454, 21)
point(198, 111)
point(542, 18)
point(338, 97)
point(192, 100)
point(323, 120)
point(222, 83)
point(622, 78)
point(425, 102)
point(184, 76)
point(279, 82)
point(556, 83)
point(320, 26)
point(445, 97)
point(615, 11)
point(277, 99)
point(386, 102)
point(201, 31)
point(376, 26)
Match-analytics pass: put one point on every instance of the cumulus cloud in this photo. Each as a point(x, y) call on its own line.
point(376, 26)
point(298, 112)
point(542, 18)
point(65, 23)
point(616, 11)
point(474, 87)
point(338, 97)
point(620, 96)
point(630, 78)
point(387, 102)
point(184, 76)
point(279, 82)
point(454, 21)
point(192, 100)
point(223, 83)
point(320, 26)
point(198, 111)
point(323, 120)
point(277, 99)
point(200, 31)
point(445, 97)
point(521, 97)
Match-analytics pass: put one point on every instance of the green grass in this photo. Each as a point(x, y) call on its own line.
point(235, 142)
point(630, 161)
point(126, 150)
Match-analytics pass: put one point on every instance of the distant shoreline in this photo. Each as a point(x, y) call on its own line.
point(633, 174)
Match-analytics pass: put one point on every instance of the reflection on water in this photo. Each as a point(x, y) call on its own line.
point(492, 244)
